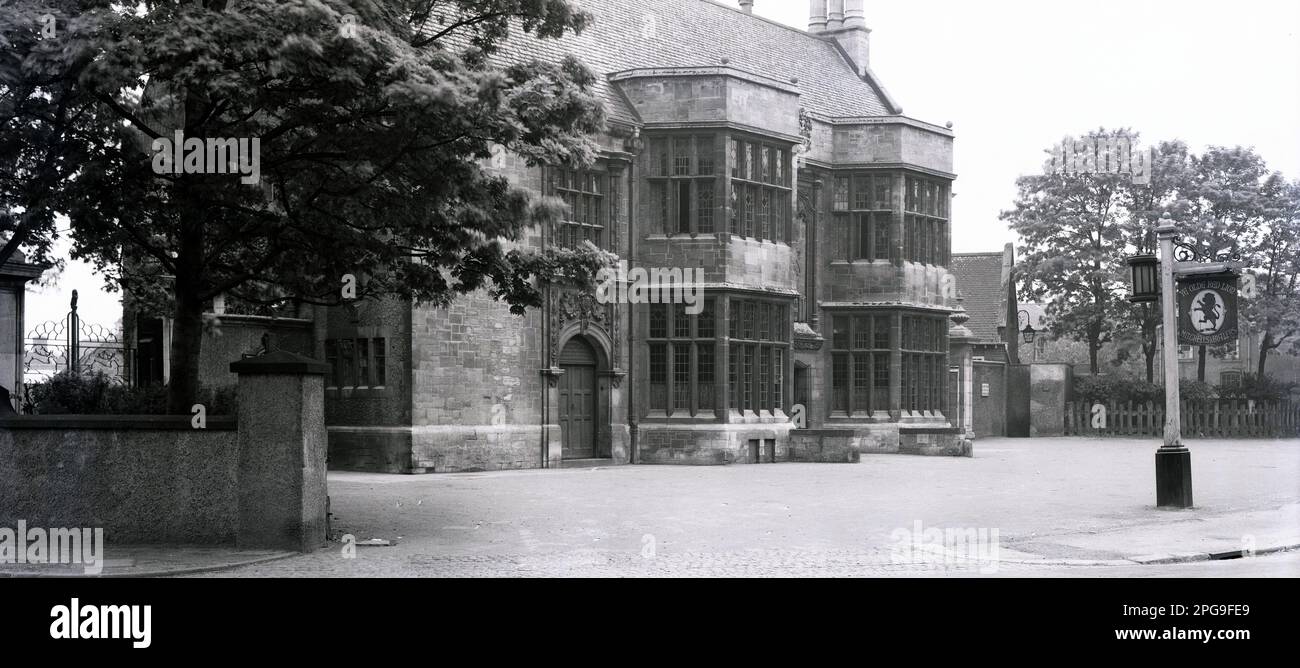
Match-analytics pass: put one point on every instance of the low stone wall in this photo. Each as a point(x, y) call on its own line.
point(824, 445)
point(256, 480)
point(371, 449)
point(877, 439)
point(464, 448)
point(143, 479)
point(934, 441)
point(452, 448)
point(712, 443)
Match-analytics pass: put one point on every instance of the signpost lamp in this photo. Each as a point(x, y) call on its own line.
point(1173, 461)
point(1200, 310)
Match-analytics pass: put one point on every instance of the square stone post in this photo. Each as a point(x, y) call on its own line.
point(961, 356)
point(14, 276)
point(282, 449)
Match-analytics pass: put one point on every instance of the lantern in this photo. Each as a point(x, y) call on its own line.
point(1144, 275)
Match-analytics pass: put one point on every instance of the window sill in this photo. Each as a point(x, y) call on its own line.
point(351, 389)
point(759, 241)
point(859, 262)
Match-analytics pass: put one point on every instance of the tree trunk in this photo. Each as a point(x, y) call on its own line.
point(1264, 345)
point(1200, 363)
point(187, 332)
point(187, 344)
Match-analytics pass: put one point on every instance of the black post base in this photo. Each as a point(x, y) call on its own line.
point(1174, 478)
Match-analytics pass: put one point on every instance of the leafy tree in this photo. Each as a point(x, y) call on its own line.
point(1071, 228)
point(1274, 312)
point(1144, 204)
point(1220, 209)
point(49, 124)
point(375, 120)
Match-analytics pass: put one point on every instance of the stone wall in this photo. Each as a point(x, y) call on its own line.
point(389, 405)
point(711, 443)
point(824, 445)
point(141, 479)
point(1049, 387)
point(238, 335)
point(934, 441)
point(712, 95)
point(256, 481)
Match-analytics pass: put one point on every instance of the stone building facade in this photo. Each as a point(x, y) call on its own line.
point(769, 158)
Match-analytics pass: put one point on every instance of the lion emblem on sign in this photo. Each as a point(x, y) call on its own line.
point(1208, 309)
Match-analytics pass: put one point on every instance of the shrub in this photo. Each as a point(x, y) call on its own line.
point(1116, 389)
point(68, 393)
point(72, 394)
point(146, 400)
point(1120, 389)
point(1259, 388)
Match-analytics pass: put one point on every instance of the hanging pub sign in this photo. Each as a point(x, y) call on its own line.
point(1207, 309)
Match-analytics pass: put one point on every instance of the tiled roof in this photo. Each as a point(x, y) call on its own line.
point(979, 279)
point(634, 34)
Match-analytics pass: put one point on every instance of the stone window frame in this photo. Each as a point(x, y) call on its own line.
point(866, 217)
point(758, 344)
point(375, 363)
point(683, 178)
point(855, 349)
point(923, 373)
point(667, 345)
point(759, 168)
point(585, 191)
point(926, 220)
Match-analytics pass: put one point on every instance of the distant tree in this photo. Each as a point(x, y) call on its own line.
point(1220, 210)
point(1274, 313)
point(1144, 205)
point(1071, 227)
point(375, 120)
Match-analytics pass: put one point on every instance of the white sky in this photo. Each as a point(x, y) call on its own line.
point(1015, 76)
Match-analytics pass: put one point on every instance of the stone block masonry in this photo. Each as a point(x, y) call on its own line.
point(143, 479)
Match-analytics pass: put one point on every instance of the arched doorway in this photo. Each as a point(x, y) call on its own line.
point(578, 397)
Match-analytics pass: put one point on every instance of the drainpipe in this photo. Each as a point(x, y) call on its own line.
point(545, 446)
point(635, 455)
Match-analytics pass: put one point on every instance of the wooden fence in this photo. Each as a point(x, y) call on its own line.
point(1222, 418)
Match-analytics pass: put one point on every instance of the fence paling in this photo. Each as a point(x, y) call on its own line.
point(1222, 418)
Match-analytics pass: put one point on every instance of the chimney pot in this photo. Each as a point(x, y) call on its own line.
point(835, 18)
point(747, 6)
point(817, 16)
point(854, 15)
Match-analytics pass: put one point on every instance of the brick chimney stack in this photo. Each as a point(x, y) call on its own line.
point(846, 21)
point(747, 6)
